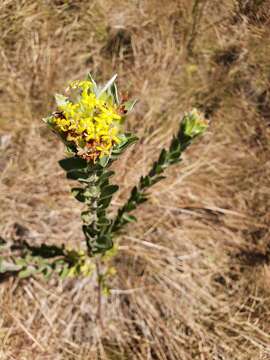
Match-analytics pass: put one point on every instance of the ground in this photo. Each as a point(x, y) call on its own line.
point(193, 273)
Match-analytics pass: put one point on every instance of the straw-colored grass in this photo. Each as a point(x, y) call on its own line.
point(193, 274)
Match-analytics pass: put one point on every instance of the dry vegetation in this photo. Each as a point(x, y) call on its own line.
point(194, 274)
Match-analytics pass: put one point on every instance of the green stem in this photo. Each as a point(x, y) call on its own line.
point(99, 315)
point(99, 195)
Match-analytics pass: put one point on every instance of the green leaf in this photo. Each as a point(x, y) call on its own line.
point(175, 146)
point(101, 212)
point(103, 244)
point(47, 272)
point(162, 157)
point(107, 191)
point(175, 155)
point(175, 161)
point(107, 85)
point(95, 87)
point(126, 140)
point(48, 120)
point(103, 221)
point(129, 218)
point(134, 193)
point(45, 251)
point(131, 205)
point(70, 147)
point(104, 160)
point(64, 272)
point(20, 262)
point(157, 179)
point(77, 175)
point(61, 100)
point(89, 232)
point(145, 181)
point(78, 193)
point(142, 199)
point(73, 163)
point(158, 169)
point(129, 105)
point(104, 203)
point(26, 273)
point(114, 92)
point(105, 176)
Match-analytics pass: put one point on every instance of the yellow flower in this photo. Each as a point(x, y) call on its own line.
point(92, 123)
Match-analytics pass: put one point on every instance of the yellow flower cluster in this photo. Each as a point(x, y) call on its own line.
point(91, 123)
point(81, 263)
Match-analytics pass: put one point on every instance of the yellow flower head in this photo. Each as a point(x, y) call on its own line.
point(91, 120)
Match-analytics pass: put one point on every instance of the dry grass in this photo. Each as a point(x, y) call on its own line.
point(193, 274)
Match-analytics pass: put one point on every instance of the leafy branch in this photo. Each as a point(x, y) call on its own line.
point(25, 260)
point(189, 129)
point(96, 193)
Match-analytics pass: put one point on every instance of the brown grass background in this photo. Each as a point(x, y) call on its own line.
point(193, 275)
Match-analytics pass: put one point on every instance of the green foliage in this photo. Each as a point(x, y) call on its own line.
point(191, 126)
point(60, 99)
point(127, 140)
point(91, 169)
point(72, 163)
point(129, 105)
point(25, 260)
point(97, 193)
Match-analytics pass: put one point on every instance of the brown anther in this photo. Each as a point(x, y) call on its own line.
point(59, 115)
point(122, 109)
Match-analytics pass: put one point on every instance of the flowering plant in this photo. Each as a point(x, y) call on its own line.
point(90, 122)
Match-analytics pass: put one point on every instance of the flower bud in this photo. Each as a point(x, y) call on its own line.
point(194, 124)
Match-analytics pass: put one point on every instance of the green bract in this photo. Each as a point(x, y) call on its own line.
point(194, 124)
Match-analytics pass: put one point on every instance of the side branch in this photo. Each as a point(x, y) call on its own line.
point(191, 126)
